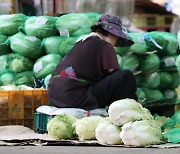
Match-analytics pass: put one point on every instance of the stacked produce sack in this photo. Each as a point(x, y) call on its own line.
point(128, 123)
point(153, 59)
point(32, 47)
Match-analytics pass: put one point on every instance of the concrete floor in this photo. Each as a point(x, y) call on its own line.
point(83, 150)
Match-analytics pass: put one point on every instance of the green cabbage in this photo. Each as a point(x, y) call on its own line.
point(170, 96)
point(6, 78)
point(153, 96)
point(130, 62)
point(121, 50)
point(149, 63)
point(46, 65)
point(51, 44)
point(126, 110)
point(93, 17)
point(108, 133)
point(66, 44)
point(4, 63)
point(86, 127)
point(61, 127)
point(140, 93)
point(28, 46)
point(139, 46)
point(73, 24)
point(9, 24)
point(24, 78)
point(168, 63)
point(4, 48)
point(139, 79)
point(166, 80)
point(176, 80)
point(141, 133)
point(151, 80)
point(40, 26)
point(18, 63)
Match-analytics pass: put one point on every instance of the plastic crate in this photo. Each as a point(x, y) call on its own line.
point(40, 122)
point(17, 107)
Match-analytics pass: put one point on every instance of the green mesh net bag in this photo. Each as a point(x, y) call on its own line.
point(139, 46)
point(149, 63)
point(151, 80)
point(9, 24)
point(168, 63)
point(46, 65)
point(93, 17)
point(4, 47)
point(51, 44)
point(28, 46)
point(66, 44)
point(40, 26)
point(24, 78)
point(6, 78)
point(73, 24)
point(153, 96)
point(130, 62)
point(18, 63)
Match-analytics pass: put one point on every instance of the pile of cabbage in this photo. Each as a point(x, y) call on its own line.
point(128, 123)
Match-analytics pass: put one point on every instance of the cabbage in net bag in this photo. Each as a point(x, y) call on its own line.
point(28, 46)
point(9, 24)
point(4, 47)
point(18, 63)
point(46, 65)
point(149, 63)
point(73, 24)
point(139, 46)
point(4, 62)
point(6, 78)
point(24, 78)
point(41, 26)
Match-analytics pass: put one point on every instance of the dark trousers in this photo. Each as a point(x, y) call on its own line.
point(119, 85)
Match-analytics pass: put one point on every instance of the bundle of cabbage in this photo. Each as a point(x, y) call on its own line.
point(28, 46)
point(4, 47)
point(108, 133)
point(149, 63)
point(61, 127)
point(41, 26)
point(9, 24)
point(126, 110)
point(18, 63)
point(73, 24)
point(46, 65)
point(141, 133)
point(139, 46)
point(85, 127)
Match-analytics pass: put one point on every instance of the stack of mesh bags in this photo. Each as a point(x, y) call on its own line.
point(153, 58)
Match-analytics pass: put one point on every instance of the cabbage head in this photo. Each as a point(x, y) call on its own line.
point(6, 78)
point(140, 93)
point(18, 63)
point(130, 62)
point(121, 50)
point(141, 133)
point(28, 46)
point(166, 80)
point(61, 127)
point(9, 24)
point(151, 80)
point(108, 133)
point(86, 127)
point(73, 24)
point(139, 46)
point(176, 80)
point(40, 26)
point(125, 110)
point(4, 47)
point(149, 63)
point(46, 65)
point(170, 96)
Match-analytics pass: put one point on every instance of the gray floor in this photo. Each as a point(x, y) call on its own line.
point(83, 150)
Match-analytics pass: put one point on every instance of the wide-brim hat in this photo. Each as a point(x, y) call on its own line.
point(113, 25)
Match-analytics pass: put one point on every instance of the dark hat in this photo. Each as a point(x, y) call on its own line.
point(113, 25)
